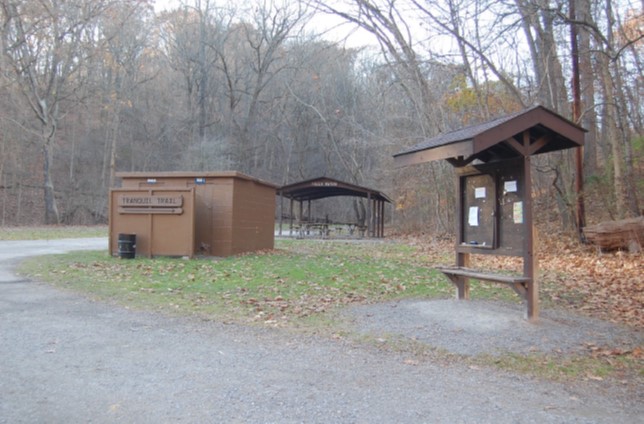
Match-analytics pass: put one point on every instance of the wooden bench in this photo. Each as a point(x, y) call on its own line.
point(458, 276)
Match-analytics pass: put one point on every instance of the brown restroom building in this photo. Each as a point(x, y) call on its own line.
point(192, 213)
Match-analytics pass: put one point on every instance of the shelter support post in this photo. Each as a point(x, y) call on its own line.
point(308, 211)
point(369, 215)
point(381, 218)
point(290, 216)
point(281, 212)
point(374, 216)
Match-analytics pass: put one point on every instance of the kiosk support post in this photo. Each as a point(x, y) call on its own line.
point(462, 283)
point(530, 256)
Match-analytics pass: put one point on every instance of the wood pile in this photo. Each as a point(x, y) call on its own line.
point(627, 234)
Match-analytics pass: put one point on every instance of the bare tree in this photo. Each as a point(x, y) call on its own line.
point(252, 54)
point(46, 45)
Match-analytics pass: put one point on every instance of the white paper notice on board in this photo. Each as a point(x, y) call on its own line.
point(479, 193)
point(517, 212)
point(510, 186)
point(473, 218)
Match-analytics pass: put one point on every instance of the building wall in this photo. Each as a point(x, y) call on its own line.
point(156, 234)
point(233, 214)
point(254, 217)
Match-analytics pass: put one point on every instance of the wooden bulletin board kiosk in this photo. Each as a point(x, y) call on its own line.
point(495, 214)
point(193, 213)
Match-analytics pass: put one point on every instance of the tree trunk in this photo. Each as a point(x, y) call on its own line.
point(360, 211)
point(52, 216)
point(555, 88)
point(614, 122)
point(630, 188)
point(587, 83)
point(612, 135)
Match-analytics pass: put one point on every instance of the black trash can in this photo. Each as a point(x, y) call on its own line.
point(127, 246)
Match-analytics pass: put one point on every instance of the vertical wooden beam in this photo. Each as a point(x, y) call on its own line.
point(462, 259)
point(374, 219)
point(290, 216)
point(369, 215)
point(462, 283)
point(529, 253)
point(281, 209)
point(381, 232)
point(382, 218)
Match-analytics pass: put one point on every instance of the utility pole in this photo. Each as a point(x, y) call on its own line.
point(576, 117)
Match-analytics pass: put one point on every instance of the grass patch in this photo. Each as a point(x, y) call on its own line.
point(51, 232)
point(625, 366)
point(295, 284)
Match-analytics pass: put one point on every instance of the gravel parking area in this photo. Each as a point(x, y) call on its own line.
point(65, 358)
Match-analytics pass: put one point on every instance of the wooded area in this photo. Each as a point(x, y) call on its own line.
point(89, 88)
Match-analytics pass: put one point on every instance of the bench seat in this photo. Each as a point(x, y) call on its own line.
point(458, 276)
point(481, 275)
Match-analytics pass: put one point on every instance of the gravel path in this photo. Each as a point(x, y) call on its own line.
point(66, 359)
point(491, 328)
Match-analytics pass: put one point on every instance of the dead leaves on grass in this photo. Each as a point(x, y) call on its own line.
point(317, 299)
point(608, 286)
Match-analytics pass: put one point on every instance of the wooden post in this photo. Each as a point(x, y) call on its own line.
point(462, 259)
point(290, 225)
point(462, 283)
point(374, 218)
point(369, 214)
point(382, 218)
point(529, 254)
point(281, 212)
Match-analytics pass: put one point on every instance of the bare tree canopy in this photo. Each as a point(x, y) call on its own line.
point(270, 89)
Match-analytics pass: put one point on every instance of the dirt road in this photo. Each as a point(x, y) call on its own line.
point(67, 359)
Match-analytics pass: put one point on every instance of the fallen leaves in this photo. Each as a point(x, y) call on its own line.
point(611, 352)
point(609, 286)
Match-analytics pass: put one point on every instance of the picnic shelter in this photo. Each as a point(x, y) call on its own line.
point(308, 191)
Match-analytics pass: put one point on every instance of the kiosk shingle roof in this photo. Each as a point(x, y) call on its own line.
point(490, 140)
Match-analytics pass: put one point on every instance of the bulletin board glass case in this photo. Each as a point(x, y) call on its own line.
point(492, 209)
point(479, 211)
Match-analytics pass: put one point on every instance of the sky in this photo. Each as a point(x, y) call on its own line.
point(331, 28)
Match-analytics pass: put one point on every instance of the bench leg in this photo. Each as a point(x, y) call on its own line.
point(521, 289)
point(462, 286)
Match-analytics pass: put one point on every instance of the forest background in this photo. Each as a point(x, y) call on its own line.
point(91, 88)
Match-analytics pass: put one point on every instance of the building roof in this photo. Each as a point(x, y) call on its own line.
point(319, 188)
point(191, 174)
point(529, 132)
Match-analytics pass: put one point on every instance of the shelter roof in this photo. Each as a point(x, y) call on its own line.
point(319, 188)
point(529, 132)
